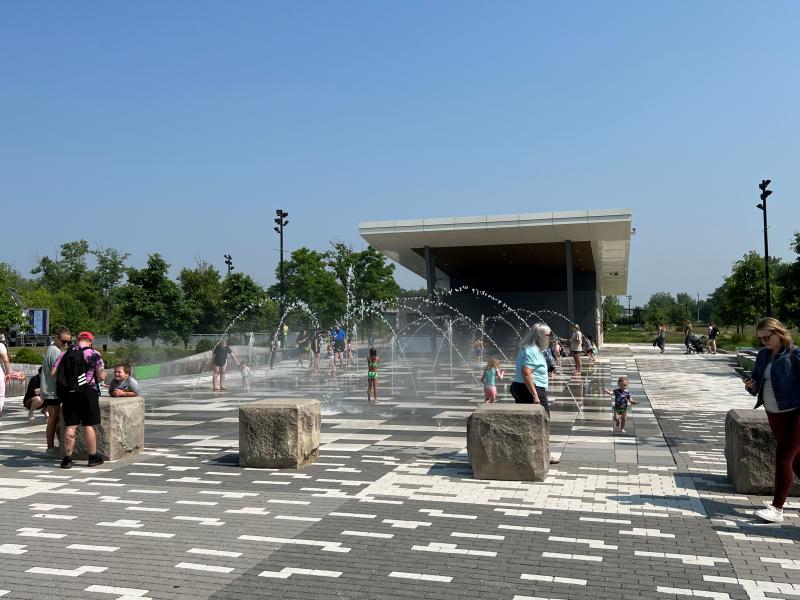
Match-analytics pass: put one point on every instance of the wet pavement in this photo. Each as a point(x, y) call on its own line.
point(391, 509)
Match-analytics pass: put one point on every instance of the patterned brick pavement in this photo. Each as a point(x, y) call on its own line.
point(391, 509)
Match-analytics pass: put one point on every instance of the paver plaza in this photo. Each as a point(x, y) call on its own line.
point(391, 509)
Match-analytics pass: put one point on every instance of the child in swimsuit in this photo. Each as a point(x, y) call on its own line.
point(491, 374)
point(622, 398)
point(372, 375)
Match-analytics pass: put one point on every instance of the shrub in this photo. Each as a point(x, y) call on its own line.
point(27, 356)
point(204, 345)
point(129, 354)
point(743, 339)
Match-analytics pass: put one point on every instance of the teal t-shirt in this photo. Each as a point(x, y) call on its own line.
point(489, 377)
point(533, 358)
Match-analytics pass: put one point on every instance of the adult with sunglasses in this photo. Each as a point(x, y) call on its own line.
point(48, 387)
point(776, 381)
point(530, 375)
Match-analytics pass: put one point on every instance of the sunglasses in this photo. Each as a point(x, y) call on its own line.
point(766, 338)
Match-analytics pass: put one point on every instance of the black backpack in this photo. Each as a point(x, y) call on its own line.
point(71, 372)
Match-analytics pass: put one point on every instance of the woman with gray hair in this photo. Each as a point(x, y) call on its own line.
point(530, 375)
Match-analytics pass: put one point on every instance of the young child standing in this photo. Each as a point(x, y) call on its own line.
point(622, 398)
point(372, 375)
point(491, 374)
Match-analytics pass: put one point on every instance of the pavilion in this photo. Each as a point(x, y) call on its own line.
point(558, 264)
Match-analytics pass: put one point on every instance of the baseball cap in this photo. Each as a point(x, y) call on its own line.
point(86, 335)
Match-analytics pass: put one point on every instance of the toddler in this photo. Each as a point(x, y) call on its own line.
point(622, 398)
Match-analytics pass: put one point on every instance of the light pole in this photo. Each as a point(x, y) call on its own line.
point(630, 314)
point(698, 307)
point(281, 222)
point(765, 193)
point(229, 262)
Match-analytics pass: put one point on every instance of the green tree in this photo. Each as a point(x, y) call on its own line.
point(658, 308)
point(71, 312)
point(11, 315)
point(789, 280)
point(54, 274)
point(202, 289)
point(308, 280)
point(612, 311)
point(365, 275)
point(746, 297)
point(151, 305)
point(244, 301)
point(107, 276)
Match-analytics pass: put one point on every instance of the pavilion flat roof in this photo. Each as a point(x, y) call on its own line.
point(607, 230)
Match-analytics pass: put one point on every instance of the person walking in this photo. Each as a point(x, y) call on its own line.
point(713, 332)
point(49, 393)
point(576, 346)
point(338, 335)
point(5, 373)
point(622, 398)
point(530, 373)
point(316, 348)
point(775, 380)
point(302, 347)
point(662, 337)
point(687, 334)
point(220, 362)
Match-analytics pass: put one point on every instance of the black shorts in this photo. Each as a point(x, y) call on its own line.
point(81, 408)
point(52, 402)
point(338, 346)
point(522, 395)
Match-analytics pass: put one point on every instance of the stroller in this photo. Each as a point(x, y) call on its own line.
point(697, 344)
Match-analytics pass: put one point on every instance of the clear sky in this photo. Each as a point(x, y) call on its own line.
point(180, 126)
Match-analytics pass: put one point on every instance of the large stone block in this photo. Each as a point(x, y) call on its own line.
point(279, 434)
point(509, 442)
point(121, 429)
point(750, 453)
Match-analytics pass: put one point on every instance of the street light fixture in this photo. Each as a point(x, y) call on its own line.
point(281, 222)
point(630, 314)
point(765, 193)
point(229, 262)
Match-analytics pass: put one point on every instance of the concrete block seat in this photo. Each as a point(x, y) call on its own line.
point(279, 433)
point(121, 429)
point(750, 453)
point(509, 442)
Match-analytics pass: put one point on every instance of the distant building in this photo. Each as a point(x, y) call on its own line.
point(558, 264)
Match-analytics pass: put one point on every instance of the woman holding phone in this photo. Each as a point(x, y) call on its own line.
point(776, 381)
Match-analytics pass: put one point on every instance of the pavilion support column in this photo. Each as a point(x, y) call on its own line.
point(430, 271)
point(570, 283)
point(430, 275)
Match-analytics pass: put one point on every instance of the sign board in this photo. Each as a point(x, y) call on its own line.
point(39, 320)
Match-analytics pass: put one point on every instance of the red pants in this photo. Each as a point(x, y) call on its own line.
point(786, 429)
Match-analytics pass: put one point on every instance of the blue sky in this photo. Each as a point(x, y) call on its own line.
point(180, 127)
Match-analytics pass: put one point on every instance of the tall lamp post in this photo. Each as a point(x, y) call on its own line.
point(765, 193)
point(281, 222)
point(630, 314)
point(229, 262)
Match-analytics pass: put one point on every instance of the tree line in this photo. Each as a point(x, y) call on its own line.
point(739, 301)
point(114, 298)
